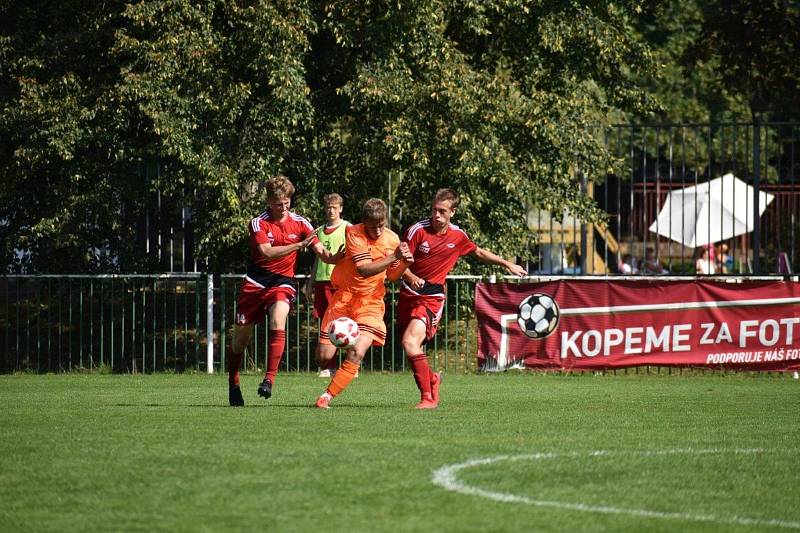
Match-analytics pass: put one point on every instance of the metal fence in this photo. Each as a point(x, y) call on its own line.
point(144, 323)
point(131, 323)
point(160, 323)
point(645, 163)
point(149, 323)
point(649, 162)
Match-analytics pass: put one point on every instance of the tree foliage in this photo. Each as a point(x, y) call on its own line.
point(720, 65)
point(724, 61)
point(118, 116)
point(758, 44)
point(219, 91)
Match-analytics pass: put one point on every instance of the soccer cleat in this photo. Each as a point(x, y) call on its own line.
point(323, 402)
point(265, 389)
point(427, 402)
point(325, 373)
point(235, 397)
point(436, 380)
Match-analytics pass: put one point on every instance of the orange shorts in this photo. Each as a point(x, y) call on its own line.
point(365, 310)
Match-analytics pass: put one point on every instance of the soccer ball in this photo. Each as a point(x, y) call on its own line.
point(538, 316)
point(343, 332)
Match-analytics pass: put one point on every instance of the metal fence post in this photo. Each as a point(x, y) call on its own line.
point(210, 324)
point(584, 234)
point(756, 193)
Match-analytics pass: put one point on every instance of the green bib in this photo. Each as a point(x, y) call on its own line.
point(331, 242)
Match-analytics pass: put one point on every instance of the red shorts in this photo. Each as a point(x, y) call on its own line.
point(254, 301)
point(428, 309)
point(323, 296)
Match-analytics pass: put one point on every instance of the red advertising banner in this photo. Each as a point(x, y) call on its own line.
point(601, 324)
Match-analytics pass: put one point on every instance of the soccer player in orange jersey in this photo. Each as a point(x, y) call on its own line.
point(436, 245)
point(270, 287)
point(373, 253)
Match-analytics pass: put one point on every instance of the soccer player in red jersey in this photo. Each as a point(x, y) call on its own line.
point(270, 287)
point(436, 245)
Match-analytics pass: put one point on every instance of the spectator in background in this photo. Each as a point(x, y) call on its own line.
point(651, 264)
point(318, 288)
point(627, 265)
point(712, 253)
point(724, 260)
point(704, 265)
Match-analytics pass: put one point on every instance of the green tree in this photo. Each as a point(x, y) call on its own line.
point(212, 94)
point(61, 199)
point(688, 88)
point(220, 91)
point(719, 62)
point(111, 109)
point(495, 99)
point(756, 45)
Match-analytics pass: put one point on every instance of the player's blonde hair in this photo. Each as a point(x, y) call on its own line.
point(442, 195)
point(279, 186)
point(374, 210)
point(332, 198)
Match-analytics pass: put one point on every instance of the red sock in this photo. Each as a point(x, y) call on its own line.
point(234, 363)
point(422, 373)
point(277, 341)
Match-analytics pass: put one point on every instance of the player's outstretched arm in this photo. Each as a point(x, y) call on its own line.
point(368, 269)
point(326, 256)
point(275, 252)
point(488, 257)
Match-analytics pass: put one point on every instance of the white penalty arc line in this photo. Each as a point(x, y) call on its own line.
point(447, 478)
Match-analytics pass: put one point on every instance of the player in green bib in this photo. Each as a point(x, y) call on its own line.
point(319, 289)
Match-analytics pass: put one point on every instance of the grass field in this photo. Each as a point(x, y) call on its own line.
point(559, 453)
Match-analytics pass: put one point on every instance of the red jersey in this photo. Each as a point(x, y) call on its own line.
point(265, 229)
point(434, 254)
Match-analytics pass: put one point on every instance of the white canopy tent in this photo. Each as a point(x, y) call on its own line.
point(709, 212)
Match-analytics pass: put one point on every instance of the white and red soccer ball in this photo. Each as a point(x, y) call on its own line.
point(343, 332)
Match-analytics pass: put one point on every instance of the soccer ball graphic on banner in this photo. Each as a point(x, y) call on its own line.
point(538, 316)
point(343, 332)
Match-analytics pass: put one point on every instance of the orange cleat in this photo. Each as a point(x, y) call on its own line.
point(323, 402)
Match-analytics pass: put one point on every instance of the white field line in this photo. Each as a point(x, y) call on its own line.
point(447, 477)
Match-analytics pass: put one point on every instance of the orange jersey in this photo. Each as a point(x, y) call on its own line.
point(359, 248)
